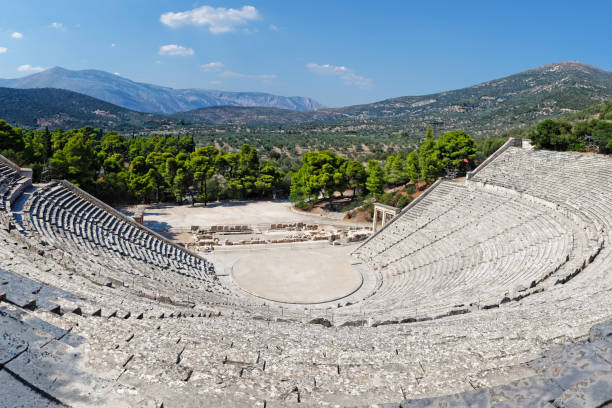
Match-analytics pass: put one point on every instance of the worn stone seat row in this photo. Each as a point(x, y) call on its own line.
point(62, 217)
point(466, 247)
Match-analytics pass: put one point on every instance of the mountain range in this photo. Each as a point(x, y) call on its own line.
point(527, 96)
point(485, 109)
point(142, 97)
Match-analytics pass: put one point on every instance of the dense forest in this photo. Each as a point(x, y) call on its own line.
point(120, 169)
point(160, 168)
point(326, 174)
point(170, 168)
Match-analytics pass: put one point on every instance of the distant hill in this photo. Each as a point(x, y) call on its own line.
point(232, 115)
point(144, 97)
point(58, 108)
point(487, 108)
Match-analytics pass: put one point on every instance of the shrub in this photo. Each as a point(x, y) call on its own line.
point(303, 205)
point(403, 201)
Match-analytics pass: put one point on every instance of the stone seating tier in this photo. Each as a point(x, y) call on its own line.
point(472, 249)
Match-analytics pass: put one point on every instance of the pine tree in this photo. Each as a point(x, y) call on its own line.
point(374, 182)
point(429, 163)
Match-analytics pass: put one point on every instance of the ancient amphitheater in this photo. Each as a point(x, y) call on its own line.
point(490, 291)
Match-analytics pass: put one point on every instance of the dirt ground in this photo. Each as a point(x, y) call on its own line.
point(309, 272)
point(302, 273)
point(166, 217)
point(294, 275)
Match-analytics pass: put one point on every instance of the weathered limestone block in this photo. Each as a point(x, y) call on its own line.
point(20, 395)
point(478, 399)
point(57, 370)
point(570, 364)
point(528, 392)
point(601, 331)
point(594, 391)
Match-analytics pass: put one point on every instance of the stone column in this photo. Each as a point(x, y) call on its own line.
point(375, 219)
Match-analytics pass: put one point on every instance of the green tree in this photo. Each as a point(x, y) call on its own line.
point(602, 136)
point(10, 138)
point(180, 184)
point(355, 176)
point(186, 144)
point(170, 169)
point(456, 150)
point(139, 166)
point(413, 171)
point(77, 160)
point(429, 161)
point(551, 134)
point(113, 164)
point(144, 187)
point(247, 170)
point(268, 179)
point(47, 144)
point(33, 153)
point(395, 173)
point(375, 179)
point(202, 166)
point(113, 143)
point(321, 173)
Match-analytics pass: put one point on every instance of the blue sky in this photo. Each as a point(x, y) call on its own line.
point(338, 52)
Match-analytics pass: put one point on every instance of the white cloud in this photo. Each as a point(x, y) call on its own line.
point(274, 27)
point(17, 35)
point(57, 26)
point(116, 73)
point(231, 74)
point(177, 50)
point(347, 75)
point(213, 66)
point(3, 50)
point(29, 68)
point(113, 45)
point(218, 19)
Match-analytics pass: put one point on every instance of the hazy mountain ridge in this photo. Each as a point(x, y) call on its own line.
point(145, 97)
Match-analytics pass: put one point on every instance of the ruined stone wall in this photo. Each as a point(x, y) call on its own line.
point(24, 172)
point(9, 163)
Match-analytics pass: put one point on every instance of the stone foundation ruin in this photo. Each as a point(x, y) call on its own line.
point(262, 234)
